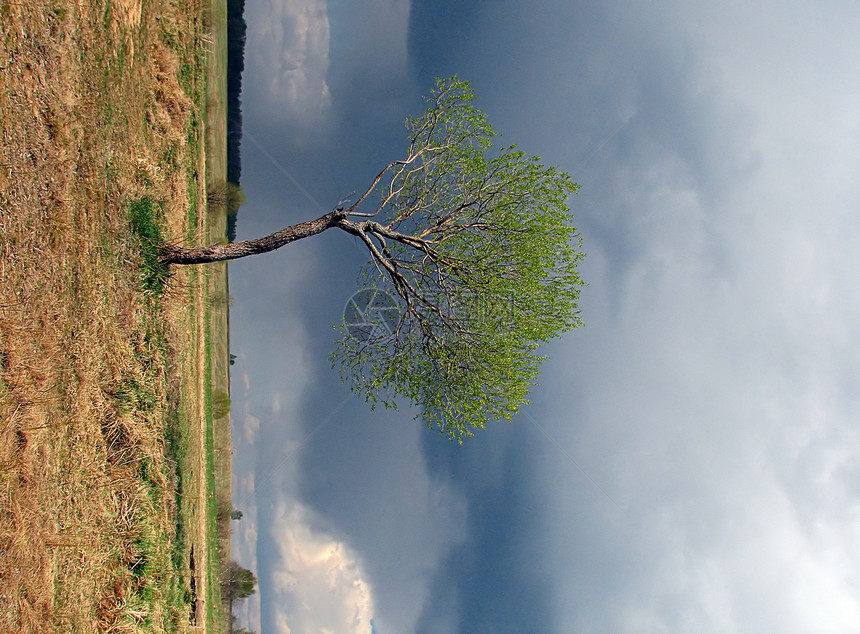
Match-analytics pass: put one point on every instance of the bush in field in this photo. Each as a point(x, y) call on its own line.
point(238, 583)
point(224, 195)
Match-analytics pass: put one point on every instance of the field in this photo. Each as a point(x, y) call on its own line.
point(218, 291)
point(107, 467)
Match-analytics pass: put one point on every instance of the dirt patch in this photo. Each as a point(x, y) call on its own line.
point(97, 109)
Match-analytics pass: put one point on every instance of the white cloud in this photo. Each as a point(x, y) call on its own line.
point(291, 39)
point(249, 427)
point(319, 586)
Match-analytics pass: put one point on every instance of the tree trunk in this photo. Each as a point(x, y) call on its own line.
point(172, 254)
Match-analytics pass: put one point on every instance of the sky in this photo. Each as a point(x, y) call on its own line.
point(690, 460)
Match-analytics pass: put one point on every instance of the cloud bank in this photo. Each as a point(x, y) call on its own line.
point(709, 393)
point(712, 393)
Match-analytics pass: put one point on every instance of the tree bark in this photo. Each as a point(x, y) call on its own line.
point(172, 254)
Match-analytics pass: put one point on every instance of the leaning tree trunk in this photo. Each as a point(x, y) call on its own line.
point(172, 254)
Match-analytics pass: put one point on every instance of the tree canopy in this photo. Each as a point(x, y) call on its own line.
point(474, 250)
point(477, 248)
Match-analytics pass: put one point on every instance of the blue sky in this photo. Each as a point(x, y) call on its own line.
point(690, 460)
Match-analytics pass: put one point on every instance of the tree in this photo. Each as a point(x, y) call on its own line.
point(235, 515)
point(225, 195)
point(475, 250)
point(237, 583)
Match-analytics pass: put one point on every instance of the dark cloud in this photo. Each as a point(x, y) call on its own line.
point(442, 35)
point(709, 394)
point(502, 557)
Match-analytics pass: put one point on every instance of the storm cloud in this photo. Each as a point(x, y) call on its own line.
point(690, 459)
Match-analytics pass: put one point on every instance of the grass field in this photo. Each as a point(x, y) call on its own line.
point(219, 297)
point(107, 480)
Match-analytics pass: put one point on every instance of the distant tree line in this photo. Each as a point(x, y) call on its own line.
point(236, 34)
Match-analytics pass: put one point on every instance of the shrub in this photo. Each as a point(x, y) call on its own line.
point(224, 195)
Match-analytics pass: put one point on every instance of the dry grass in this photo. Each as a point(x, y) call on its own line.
point(95, 113)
